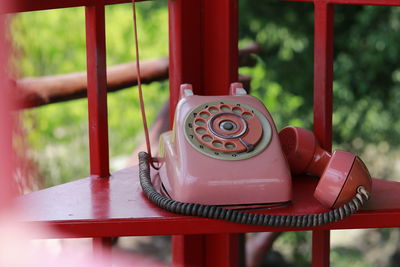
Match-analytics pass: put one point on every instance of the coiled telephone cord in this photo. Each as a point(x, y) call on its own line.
point(215, 212)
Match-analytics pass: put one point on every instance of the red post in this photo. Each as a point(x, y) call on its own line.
point(323, 94)
point(209, 250)
point(225, 250)
point(323, 72)
point(203, 46)
point(97, 103)
point(321, 248)
point(188, 250)
point(8, 189)
point(204, 52)
point(185, 48)
point(97, 90)
point(220, 46)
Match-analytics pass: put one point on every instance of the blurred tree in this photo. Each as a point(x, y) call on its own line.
point(55, 132)
point(366, 66)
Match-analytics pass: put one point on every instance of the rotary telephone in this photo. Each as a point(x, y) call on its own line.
point(225, 153)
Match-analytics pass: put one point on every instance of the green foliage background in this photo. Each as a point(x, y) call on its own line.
point(52, 42)
point(366, 70)
point(366, 86)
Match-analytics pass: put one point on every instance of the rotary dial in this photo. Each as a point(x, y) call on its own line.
point(227, 130)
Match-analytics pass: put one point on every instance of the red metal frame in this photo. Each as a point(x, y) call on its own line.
point(196, 29)
point(97, 90)
point(97, 106)
point(203, 51)
point(323, 94)
point(7, 187)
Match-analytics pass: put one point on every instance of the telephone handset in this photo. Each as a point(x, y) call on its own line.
point(225, 151)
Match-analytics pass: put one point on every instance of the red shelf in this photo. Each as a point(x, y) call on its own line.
point(97, 207)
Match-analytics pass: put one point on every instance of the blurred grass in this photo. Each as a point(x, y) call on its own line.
point(53, 42)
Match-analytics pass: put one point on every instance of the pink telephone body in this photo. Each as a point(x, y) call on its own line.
point(223, 150)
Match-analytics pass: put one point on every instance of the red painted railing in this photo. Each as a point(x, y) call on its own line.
point(203, 51)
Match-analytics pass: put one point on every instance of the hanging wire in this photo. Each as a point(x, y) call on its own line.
point(139, 83)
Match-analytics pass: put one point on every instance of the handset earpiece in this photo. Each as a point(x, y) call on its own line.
point(341, 172)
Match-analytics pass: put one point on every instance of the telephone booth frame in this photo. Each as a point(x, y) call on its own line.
point(203, 42)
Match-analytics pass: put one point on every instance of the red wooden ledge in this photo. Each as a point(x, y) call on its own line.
point(96, 207)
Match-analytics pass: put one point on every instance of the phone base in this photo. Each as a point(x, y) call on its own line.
point(159, 186)
point(224, 151)
point(263, 180)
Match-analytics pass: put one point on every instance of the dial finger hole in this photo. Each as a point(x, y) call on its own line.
point(201, 130)
point(230, 146)
point(204, 114)
point(247, 115)
point(225, 108)
point(237, 110)
point(200, 122)
point(213, 109)
point(206, 138)
point(217, 144)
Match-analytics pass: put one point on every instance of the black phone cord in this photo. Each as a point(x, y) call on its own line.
point(270, 220)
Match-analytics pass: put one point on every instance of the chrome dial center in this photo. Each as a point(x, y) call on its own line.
point(228, 126)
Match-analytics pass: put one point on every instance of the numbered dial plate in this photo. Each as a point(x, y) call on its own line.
point(227, 130)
